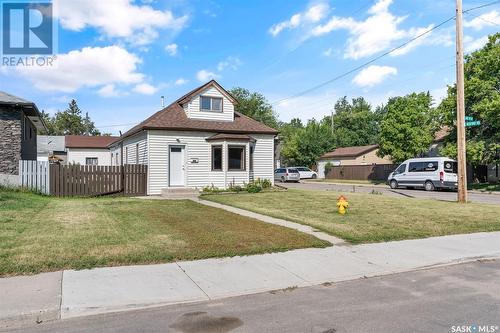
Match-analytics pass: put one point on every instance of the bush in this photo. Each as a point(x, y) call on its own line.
point(211, 189)
point(254, 188)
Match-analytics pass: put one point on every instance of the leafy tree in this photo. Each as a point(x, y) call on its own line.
point(306, 144)
point(255, 105)
point(354, 123)
point(482, 101)
point(49, 123)
point(408, 126)
point(70, 122)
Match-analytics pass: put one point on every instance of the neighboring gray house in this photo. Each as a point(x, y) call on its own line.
point(52, 146)
point(20, 122)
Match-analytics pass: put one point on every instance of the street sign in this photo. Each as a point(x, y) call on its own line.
point(472, 123)
point(469, 118)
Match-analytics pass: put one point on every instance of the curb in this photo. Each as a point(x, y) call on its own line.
point(29, 319)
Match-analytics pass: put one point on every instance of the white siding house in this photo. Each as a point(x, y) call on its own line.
point(88, 150)
point(88, 156)
point(197, 141)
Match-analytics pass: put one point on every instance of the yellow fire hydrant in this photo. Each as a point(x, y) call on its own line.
point(342, 205)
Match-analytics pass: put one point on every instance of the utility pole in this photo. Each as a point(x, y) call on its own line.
point(461, 156)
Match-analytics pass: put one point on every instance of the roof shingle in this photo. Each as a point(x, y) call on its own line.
point(85, 141)
point(173, 117)
point(350, 151)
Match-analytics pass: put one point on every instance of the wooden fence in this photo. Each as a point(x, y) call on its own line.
point(34, 175)
point(91, 180)
point(361, 172)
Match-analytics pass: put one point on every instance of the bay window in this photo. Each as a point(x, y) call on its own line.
point(236, 158)
point(216, 158)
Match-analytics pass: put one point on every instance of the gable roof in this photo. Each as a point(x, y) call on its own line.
point(173, 117)
point(6, 98)
point(350, 151)
point(85, 141)
point(211, 83)
point(29, 108)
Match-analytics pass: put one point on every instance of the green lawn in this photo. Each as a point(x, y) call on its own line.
point(485, 187)
point(40, 233)
point(371, 217)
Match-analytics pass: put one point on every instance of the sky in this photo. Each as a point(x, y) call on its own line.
point(117, 57)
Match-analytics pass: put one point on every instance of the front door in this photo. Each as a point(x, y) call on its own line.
point(177, 166)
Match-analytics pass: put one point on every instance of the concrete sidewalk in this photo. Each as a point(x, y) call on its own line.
point(78, 293)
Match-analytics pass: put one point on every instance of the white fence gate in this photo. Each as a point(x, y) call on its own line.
point(34, 175)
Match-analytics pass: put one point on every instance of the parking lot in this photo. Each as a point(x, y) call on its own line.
point(386, 190)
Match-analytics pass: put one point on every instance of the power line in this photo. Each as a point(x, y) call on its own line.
point(481, 6)
point(280, 58)
point(357, 68)
point(326, 102)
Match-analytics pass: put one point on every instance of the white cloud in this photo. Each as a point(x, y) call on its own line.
point(305, 107)
point(180, 81)
point(328, 53)
point(206, 75)
point(438, 95)
point(108, 90)
point(486, 20)
point(313, 14)
point(471, 44)
point(171, 49)
point(88, 67)
point(118, 19)
point(145, 89)
point(373, 75)
point(376, 33)
point(230, 62)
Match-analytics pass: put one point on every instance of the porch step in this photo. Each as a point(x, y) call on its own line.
point(179, 192)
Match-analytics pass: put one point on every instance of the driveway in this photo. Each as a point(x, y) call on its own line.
point(438, 195)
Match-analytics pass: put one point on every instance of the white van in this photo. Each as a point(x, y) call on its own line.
point(429, 173)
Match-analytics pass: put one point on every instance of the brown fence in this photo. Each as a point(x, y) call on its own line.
point(91, 180)
point(361, 172)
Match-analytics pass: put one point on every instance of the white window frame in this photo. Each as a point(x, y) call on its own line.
point(211, 108)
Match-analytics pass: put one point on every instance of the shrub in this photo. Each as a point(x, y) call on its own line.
point(211, 189)
point(254, 188)
point(266, 183)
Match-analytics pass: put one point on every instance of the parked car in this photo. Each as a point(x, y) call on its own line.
point(429, 173)
point(287, 175)
point(306, 173)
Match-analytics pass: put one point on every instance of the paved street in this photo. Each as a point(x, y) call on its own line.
point(438, 195)
point(423, 301)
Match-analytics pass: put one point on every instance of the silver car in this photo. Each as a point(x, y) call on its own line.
point(287, 175)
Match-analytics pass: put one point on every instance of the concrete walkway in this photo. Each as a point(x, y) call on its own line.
point(264, 218)
point(78, 293)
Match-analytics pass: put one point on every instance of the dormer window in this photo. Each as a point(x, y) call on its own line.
point(212, 104)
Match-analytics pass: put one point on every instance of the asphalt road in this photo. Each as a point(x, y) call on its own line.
point(416, 193)
point(434, 300)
